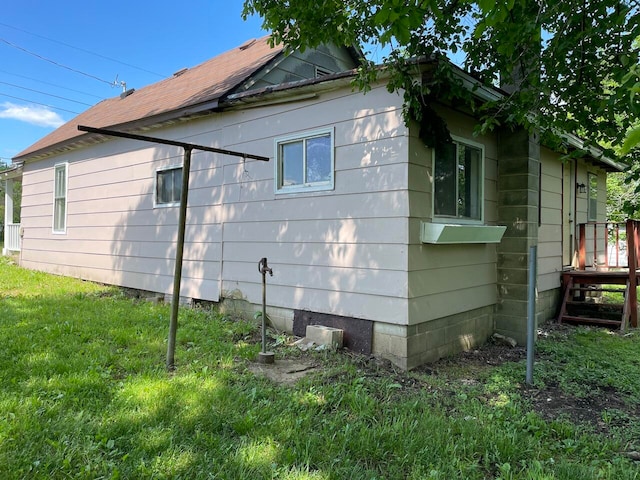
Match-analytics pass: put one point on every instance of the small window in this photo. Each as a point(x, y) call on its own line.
point(60, 198)
point(593, 197)
point(458, 178)
point(304, 163)
point(168, 186)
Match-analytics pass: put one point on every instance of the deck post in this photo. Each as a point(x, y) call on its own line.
point(8, 212)
point(606, 245)
point(582, 246)
point(632, 252)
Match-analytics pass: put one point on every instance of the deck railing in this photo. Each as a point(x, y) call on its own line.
point(12, 240)
point(607, 245)
point(628, 240)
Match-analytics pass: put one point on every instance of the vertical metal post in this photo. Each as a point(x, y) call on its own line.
point(177, 275)
point(263, 268)
point(531, 311)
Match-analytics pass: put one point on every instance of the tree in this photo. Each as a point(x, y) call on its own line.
point(568, 59)
point(622, 200)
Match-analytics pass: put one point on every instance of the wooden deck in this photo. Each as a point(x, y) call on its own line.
point(586, 288)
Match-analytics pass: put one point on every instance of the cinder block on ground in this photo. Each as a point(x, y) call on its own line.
point(322, 335)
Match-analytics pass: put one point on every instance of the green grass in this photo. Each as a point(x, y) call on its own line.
point(84, 394)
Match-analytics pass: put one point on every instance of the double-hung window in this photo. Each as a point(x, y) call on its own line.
point(168, 186)
point(304, 162)
point(458, 182)
point(60, 198)
point(592, 192)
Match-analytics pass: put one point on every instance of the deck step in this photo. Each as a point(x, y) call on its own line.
point(596, 306)
point(578, 307)
point(595, 289)
point(591, 320)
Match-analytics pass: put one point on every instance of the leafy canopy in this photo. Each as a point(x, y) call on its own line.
point(572, 62)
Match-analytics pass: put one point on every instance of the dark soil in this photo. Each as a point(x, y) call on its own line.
point(465, 369)
point(550, 402)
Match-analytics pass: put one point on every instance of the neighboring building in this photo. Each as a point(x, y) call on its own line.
point(416, 253)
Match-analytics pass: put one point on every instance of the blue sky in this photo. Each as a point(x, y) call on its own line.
point(65, 54)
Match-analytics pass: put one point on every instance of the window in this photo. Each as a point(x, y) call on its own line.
point(458, 179)
point(60, 198)
point(168, 186)
point(592, 192)
point(304, 163)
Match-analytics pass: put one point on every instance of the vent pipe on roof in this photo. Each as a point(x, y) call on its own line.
point(247, 44)
point(180, 72)
point(126, 93)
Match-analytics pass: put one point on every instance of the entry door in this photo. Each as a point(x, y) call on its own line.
point(568, 213)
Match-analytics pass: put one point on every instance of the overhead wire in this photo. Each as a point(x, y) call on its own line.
point(51, 84)
point(85, 51)
point(55, 63)
point(45, 93)
point(38, 103)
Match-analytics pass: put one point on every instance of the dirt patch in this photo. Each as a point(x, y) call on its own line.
point(602, 411)
point(284, 371)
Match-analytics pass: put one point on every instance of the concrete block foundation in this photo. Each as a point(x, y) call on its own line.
point(413, 345)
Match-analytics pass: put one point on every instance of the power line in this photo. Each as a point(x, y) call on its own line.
point(38, 103)
point(85, 51)
point(56, 63)
point(51, 84)
point(45, 93)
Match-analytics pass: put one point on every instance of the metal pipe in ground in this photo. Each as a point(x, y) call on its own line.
point(531, 311)
point(264, 356)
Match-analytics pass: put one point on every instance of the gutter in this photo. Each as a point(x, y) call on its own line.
point(13, 172)
point(595, 152)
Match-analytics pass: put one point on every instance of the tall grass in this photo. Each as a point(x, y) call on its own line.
point(84, 394)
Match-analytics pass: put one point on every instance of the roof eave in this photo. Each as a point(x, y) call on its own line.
point(146, 123)
point(594, 152)
point(13, 172)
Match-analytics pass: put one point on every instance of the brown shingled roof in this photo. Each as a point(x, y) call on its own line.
point(199, 86)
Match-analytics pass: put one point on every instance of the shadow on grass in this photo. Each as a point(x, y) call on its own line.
point(85, 394)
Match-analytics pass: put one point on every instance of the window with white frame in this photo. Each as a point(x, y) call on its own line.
point(304, 162)
point(457, 181)
point(168, 186)
point(592, 193)
point(60, 198)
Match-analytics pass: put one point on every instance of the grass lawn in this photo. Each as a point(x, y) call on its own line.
point(84, 394)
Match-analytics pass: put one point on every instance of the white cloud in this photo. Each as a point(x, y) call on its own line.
point(33, 114)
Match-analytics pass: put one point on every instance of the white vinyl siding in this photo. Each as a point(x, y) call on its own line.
point(550, 229)
point(332, 251)
point(447, 280)
point(592, 197)
point(60, 198)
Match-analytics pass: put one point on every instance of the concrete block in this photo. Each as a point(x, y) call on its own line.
point(325, 335)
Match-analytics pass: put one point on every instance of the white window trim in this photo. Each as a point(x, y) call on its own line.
point(307, 187)
point(155, 186)
point(63, 231)
point(457, 220)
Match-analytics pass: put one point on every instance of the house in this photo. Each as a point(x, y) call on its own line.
point(416, 252)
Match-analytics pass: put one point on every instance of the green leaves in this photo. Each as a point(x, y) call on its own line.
point(631, 141)
point(571, 60)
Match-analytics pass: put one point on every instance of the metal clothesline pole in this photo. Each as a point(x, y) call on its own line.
point(182, 221)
